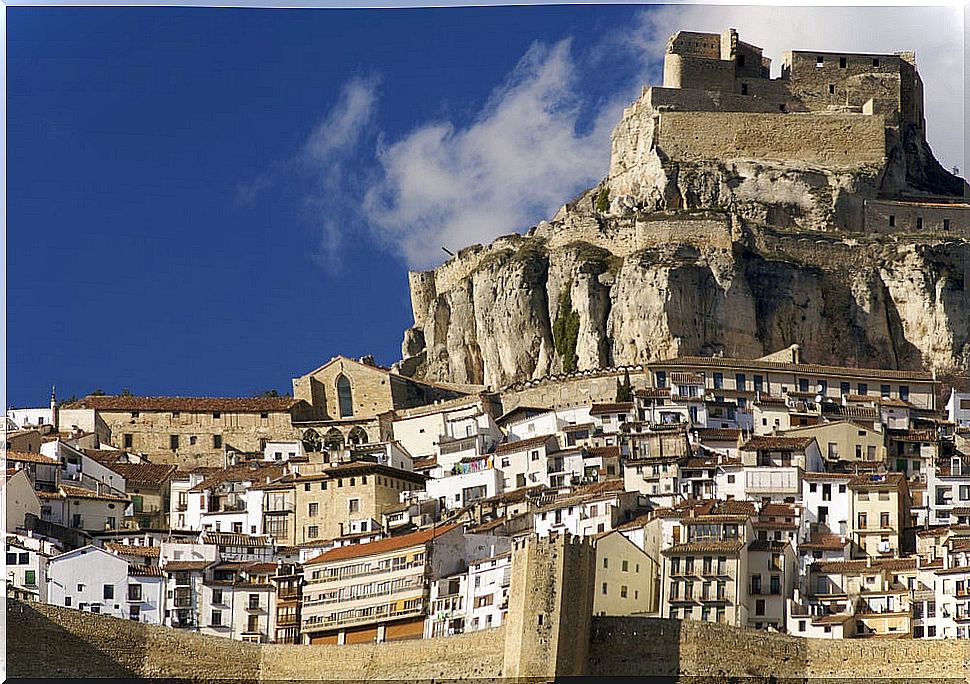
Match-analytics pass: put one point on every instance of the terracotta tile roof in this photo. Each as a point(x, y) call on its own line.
point(809, 475)
point(776, 443)
point(638, 521)
point(621, 407)
point(653, 393)
point(384, 545)
point(254, 471)
point(133, 550)
point(915, 436)
point(734, 507)
point(877, 481)
point(686, 379)
point(71, 492)
point(176, 566)
point(853, 567)
point(824, 542)
point(187, 404)
point(234, 539)
point(511, 415)
point(9, 472)
point(522, 444)
point(514, 496)
point(769, 400)
point(718, 434)
point(425, 463)
point(144, 474)
point(30, 457)
point(956, 570)
point(137, 570)
point(895, 402)
point(774, 509)
point(705, 547)
point(851, 411)
point(806, 368)
point(604, 451)
point(837, 619)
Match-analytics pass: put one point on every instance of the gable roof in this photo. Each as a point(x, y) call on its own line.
point(31, 457)
point(188, 404)
point(777, 443)
point(382, 546)
point(143, 474)
point(522, 444)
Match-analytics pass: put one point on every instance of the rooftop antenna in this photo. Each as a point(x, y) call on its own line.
point(447, 251)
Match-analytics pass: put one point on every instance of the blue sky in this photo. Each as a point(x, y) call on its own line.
point(211, 201)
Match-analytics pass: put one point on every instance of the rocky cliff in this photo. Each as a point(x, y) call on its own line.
point(734, 233)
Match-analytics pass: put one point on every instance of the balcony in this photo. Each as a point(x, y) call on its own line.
point(286, 620)
point(380, 614)
point(372, 571)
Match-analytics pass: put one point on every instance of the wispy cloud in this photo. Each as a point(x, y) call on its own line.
point(522, 157)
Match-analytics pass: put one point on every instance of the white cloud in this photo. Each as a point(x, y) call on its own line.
point(325, 155)
point(517, 162)
point(935, 34)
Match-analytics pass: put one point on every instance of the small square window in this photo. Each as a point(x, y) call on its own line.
point(831, 89)
point(875, 61)
point(843, 63)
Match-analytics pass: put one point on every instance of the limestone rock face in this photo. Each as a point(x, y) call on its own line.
point(842, 300)
point(712, 237)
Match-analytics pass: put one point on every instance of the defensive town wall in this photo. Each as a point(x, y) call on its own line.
point(574, 389)
point(835, 140)
point(549, 634)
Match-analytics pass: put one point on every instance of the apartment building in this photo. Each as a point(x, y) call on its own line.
point(524, 462)
point(27, 561)
point(472, 600)
point(238, 600)
point(379, 591)
point(845, 441)
point(880, 515)
point(586, 511)
point(627, 579)
point(705, 576)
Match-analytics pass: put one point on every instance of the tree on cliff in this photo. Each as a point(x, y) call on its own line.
point(565, 330)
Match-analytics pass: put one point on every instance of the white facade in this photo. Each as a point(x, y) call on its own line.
point(584, 517)
point(282, 451)
point(94, 580)
point(420, 434)
point(457, 491)
point(958, 408)
point(27, 561)
point(31, 417)
point(827, 504)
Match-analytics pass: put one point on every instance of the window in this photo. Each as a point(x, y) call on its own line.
point(744, 86)
point(535, 455)
point(623, 591)
point(173, 442)
point(313, 510)
point(129, 441)
point(863, 388)
point(843, 388)
point(216, 415)
point(842, 63)
point(875, 61)
point(606, 562)
point(946, 224)
point(884, 520)
point(217, 596)
point(904, 392)
point(216, 618)
point(253, 601)
point(819, 60)
point(892, 220)
point(354, 505)
point(192, 440)
point(67, 601)
point(831, 89)
point(30, 578)
point(313, 531)
point(755, 584)
point(718, 380)
point(216, 441)
point(775, 584)
point(740, 382)
point(625, 566)
point(604, 588)
point(661, 379)
point(919, 223)
point(134, 592)
point(108, 591)
point(861, 522)
point(345, 397)
point(883, 390)
point(759, 607)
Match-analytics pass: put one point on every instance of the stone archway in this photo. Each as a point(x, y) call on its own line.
point(311, 440)
point(334, 440)
point(357, 436)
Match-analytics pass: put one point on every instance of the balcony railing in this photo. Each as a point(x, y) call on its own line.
point(411, 587)
point(371, 571)
point(380, 614)
point(286, 620)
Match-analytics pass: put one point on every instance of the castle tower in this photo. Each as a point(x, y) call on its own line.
point(550, 607)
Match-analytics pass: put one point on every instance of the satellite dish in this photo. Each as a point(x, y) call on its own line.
point(818, 398)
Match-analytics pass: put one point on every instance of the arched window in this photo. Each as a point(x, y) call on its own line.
point(334, 441)
point(311, 440)
point(345, 397)
point(357, 436)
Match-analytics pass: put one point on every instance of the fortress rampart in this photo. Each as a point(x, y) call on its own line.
point(834, 140)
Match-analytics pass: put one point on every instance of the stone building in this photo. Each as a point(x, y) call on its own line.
point(196, 430)
point(325, 505)
point(880, 515)
point(351, 402)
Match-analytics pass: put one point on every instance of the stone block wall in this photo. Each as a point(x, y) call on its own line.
point(837, 140)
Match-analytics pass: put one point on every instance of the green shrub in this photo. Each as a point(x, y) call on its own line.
point(565, 330)
point(603, 200)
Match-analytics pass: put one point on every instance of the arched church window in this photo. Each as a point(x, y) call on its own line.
point(334, 440)
point(345, 397)
point(311, 440)
point(357, 436)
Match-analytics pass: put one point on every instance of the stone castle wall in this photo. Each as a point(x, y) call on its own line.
point(569, 391)
point(835, 140)
point(53, 642)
